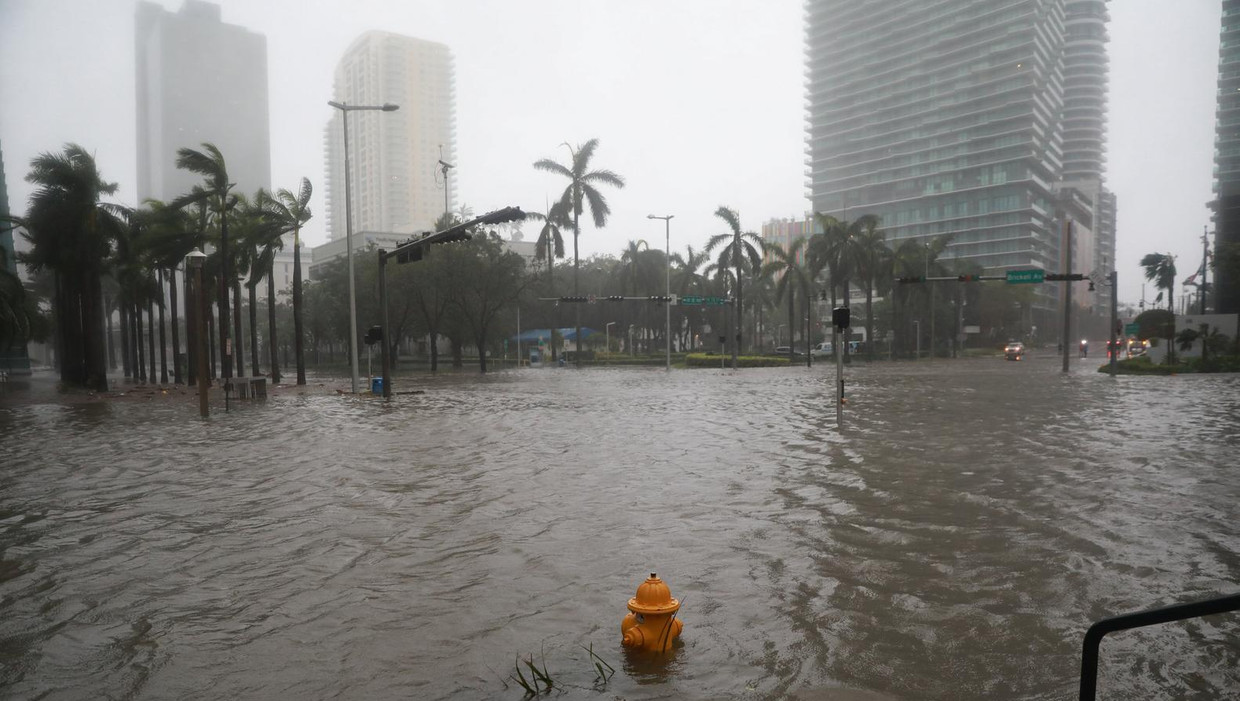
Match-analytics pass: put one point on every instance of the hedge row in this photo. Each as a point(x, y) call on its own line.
point(712, 360)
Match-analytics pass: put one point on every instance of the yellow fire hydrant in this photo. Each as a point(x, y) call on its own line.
point(651, 624)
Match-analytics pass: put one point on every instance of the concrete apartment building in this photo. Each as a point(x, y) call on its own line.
point(397, 185)
point(14, 358)
point(1226, 203)
point(199, 80)
point(975, 119)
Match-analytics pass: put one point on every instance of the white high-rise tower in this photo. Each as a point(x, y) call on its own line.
point(396, 176)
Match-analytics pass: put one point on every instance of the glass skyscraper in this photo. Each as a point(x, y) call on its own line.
point(964, 118)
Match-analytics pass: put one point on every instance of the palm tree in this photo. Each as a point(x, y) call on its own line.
point(293, 211)
point(735, 247)
point(840, 249)
point(171, 236)
point(266, 238)
point(872, 262)
point(550, 245)
point(687, 278)
point(209, 163)
point(785, 264)
point(71, 234)
point(581, 191)
point(1160, 269)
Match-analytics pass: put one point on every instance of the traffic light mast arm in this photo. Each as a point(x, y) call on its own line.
point(459, 232)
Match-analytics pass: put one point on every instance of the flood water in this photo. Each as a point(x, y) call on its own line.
point(953, 541)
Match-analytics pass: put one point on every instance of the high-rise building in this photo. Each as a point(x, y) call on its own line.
point(1226, 204)
point(13, 356)
point(396, 176)
point(199, 80)
point(961, 117)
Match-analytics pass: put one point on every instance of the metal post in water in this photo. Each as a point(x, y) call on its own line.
point(384, 354)
point(1067, 297)
point(1115, 320)
point(839, 384)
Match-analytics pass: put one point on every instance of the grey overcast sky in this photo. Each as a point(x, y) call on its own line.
point(697, 103)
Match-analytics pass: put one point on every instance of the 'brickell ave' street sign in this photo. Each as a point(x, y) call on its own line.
point(1031, 275)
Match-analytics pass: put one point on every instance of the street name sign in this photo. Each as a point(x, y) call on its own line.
point(1033, 275)
point(1132, 329)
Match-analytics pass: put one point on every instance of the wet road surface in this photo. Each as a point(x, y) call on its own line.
point(953, 541)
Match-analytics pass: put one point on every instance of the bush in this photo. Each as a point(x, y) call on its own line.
point(712, 360)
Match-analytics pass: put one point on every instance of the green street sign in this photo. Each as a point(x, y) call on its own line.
point(695, 300)
point(690, 299)
point(1132, 329)
point(1030, 275)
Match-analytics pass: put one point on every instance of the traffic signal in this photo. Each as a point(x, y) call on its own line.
point(907, 280)
point(410, 254)
point(660, 298)
point(615, 298)
point(574, 299)
point(840, 317)
point(374, 334)
point(968, 278)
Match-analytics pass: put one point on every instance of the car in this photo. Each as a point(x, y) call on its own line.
point(784, 350)
point(1014, 351)
point(822, 350)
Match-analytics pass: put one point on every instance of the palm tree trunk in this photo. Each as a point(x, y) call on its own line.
point(272, 343)
point(740, 299)
point(150, 323)
point(211, 367)
point(191, 332)
point(140, 339)
point(845, 334)
point(163, 347)
point(869, 320)
point(254, 366)
point(123, 332)
point(576, 277)
point(792, 315)
point(176, 332)
point(107, 318)
point(226, 371)
point(298, 333)
point(96, 351)
point(238, 345)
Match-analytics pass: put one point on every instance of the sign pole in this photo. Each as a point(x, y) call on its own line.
point(1115, 321)
point(1067, 295)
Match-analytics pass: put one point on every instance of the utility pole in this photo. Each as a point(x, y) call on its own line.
point(1115, 320)
point(1067, 296)
point(445, 167)
point(1205, 269)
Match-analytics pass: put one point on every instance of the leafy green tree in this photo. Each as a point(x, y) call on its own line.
point(486, 280)
point(738, 250)
point(14, 318)
point(582, 190)
point(550, 246)
point(71, 233)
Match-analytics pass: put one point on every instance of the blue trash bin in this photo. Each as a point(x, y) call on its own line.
point(376, 385)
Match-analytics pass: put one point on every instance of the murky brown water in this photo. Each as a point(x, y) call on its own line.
point(952, 542)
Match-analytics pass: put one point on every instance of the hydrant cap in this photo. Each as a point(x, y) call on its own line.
point(653, 596)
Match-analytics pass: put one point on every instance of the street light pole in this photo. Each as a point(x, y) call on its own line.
point(607, 330)
point(667, 231)
point(345, 109)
